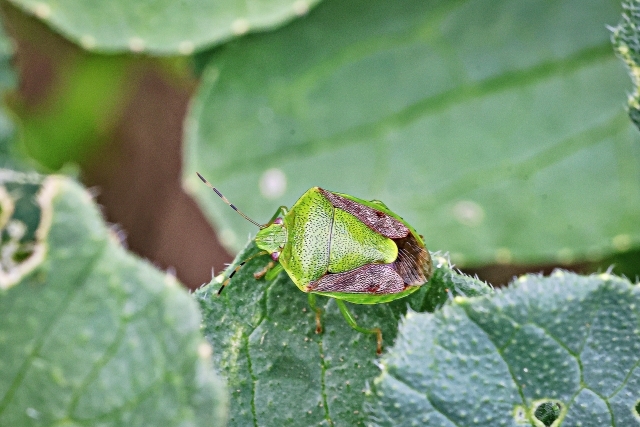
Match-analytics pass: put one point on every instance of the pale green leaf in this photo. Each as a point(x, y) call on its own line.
point(89, 333)
point(568, 340)
point(160, 27)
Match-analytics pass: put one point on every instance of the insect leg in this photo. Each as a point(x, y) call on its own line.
point(312, 303)
point(228, 279)
point(273, 272)
point(260, 273)
point(281, 212)
point(352, 322)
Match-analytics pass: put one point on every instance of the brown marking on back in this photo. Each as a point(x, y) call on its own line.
point(414, 261)
point(368, 279)
point(376, 220)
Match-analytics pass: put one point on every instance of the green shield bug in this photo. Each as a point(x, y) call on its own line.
point(339, 246)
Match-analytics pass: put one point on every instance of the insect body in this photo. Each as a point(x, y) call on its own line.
point(342, 247)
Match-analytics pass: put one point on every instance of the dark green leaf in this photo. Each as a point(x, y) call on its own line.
point(279, 372)
point(90, 334)
point(492, 361)
point(494, 127)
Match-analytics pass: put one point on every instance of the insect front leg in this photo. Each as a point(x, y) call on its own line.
point(269, 272)
point(280, 213)
point(312, 304)
point(352, 322)
point(260, 273)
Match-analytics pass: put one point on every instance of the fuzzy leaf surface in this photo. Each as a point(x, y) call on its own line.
point(495, 360)
point(90, 334)
point(495, 128)
point(279, 372)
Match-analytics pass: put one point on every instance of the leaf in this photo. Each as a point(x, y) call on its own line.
point(160, 27)
point(494, 360)
point(90, 334)
point(493, 127)
point(279, 372)
point(625, 39)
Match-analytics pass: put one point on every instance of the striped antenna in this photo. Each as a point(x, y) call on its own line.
point(224, 199)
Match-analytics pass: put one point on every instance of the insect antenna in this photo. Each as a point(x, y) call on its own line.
point(228, 279)
point(224, 199)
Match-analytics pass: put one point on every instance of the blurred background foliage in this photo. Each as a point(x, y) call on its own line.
point(498, 129)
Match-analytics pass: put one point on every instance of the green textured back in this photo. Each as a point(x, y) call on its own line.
point(353, 244)
point(305, 257)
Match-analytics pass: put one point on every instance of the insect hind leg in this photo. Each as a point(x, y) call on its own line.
point(314, 307)
point(352, 322)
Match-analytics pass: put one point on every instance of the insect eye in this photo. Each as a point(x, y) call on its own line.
point(278, 221)
point(275, 255)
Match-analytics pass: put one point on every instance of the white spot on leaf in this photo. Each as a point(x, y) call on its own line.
point(204, 350)
point(240, 26)
point(42, 10)
point(468, 213)
point(186, 47)
point(88, 42)
point(32, 413)
point(622, 242)
point(136, 44)
point(273, 183)
point(300, 7)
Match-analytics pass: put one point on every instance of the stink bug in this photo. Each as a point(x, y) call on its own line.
point(339, 246)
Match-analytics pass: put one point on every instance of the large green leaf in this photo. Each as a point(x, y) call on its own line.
point(568, 340)
point(160, 26)
point(496, 128)
point(89, 334)
point(279, 372)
